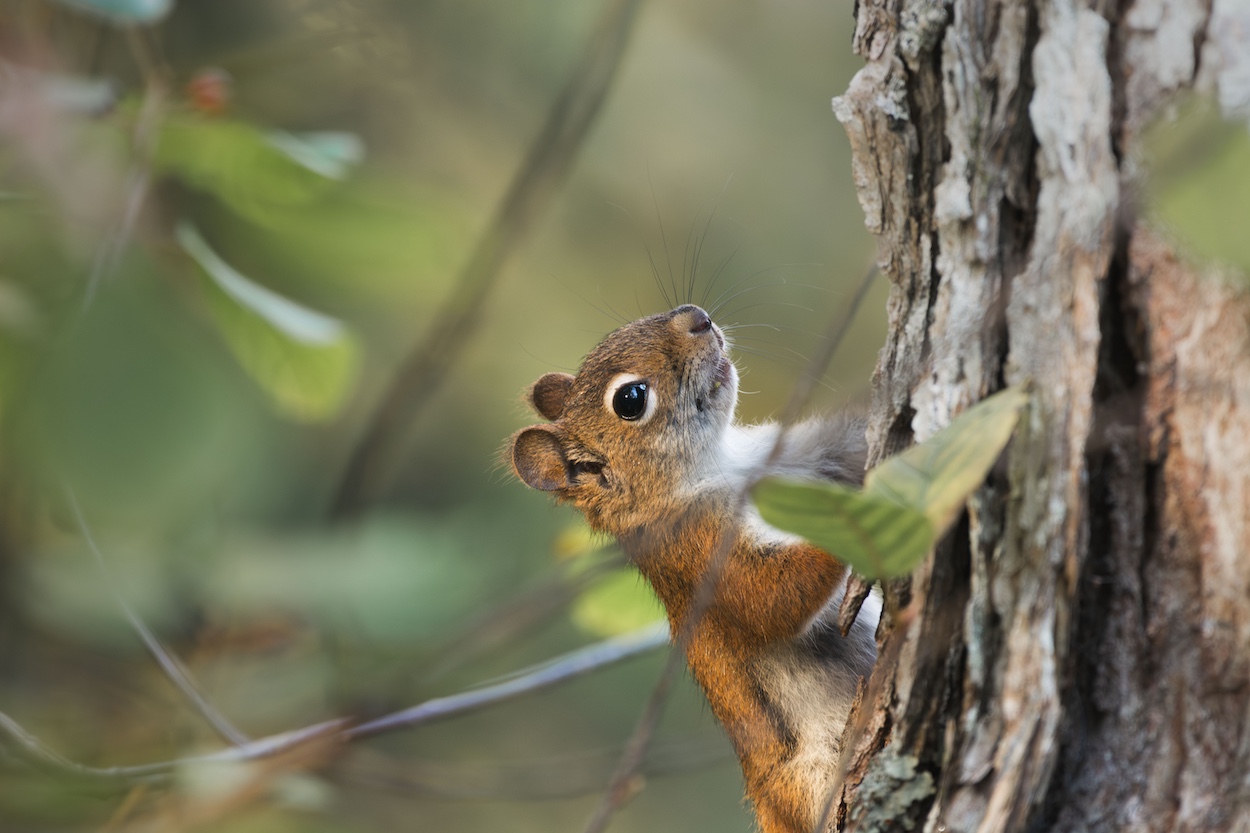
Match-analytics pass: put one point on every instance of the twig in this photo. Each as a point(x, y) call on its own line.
point(174, 670)
point(839, 327)
point(548, 160)
point(531, 778)
point(30, 749)
point(618, 790)
point(566, 667)
point(34, 752)
point(514, 616)
point(139, 177)
point(620, 787)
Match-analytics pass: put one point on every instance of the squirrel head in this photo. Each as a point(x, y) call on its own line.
point(639, 423)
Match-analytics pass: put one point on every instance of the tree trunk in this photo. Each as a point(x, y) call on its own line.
point(1076, 655)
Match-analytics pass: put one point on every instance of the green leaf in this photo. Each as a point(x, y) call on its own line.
point(124, 11)
point(936, 476)
point(331, 154)
point(257, 173)
point(907, 502)
point(305, 360)
point(619, 603)
point(875, 535)
point(391, 578)
point(377, 240)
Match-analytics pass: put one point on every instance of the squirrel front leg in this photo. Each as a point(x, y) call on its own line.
point(773, 592)
point(761, 735)
point(766, 597)
point(766, 591)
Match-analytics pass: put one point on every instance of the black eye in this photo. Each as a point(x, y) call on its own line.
point(630, 400)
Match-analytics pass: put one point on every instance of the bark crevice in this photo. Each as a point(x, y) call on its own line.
point(1072, 658)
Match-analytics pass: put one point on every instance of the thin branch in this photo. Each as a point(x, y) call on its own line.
point(139, 176)
point(174, 670)
point(33, 751)
point(503, 622)
point(622, 786)
point(566, 667)
point(838, 327)
point(548, 161)
point(26, 747)
point(531, 778)
point(619, 791)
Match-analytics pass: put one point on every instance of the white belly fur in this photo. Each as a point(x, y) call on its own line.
point(815, 697)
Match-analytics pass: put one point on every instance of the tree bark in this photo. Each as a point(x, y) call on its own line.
point(1076, 654)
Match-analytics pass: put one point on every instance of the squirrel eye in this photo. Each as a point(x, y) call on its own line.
point(630, 400)
point(631, 397)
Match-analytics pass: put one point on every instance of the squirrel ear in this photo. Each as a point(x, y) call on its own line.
point(548, 394)
point(538, 458)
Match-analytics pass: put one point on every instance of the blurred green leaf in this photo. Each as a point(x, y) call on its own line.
point(1199, 180)
point(331, 154)
point(300, 323)
point(875, 535)
point(256, 173)
point(391, 579)
point(619, 603)
point(135, 406)
point(303, 359)
point(375, 243)
point(124, 11)
point(907, 502)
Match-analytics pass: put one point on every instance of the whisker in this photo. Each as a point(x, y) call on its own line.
point(733, 328)
point(796, 359)
point(689, 259)
point(694, 263)
point(546, 362)
point(655, 271)
point(606, 313)
point(668, 260)
point(777, 328)
point(755, 351)
point(759, 349)
point(741, 310)
point(721, 300)
point(703, 240)
point(716, 275)
point(615, 313)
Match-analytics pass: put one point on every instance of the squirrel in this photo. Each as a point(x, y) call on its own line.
point(643, 441)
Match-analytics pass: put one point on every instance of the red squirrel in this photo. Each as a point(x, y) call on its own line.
point(643, 441)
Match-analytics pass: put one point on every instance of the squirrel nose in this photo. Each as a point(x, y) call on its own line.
point(693, 318)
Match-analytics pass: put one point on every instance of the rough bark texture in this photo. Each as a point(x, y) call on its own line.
point(1077, 655)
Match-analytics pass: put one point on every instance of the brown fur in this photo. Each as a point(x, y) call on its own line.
point(634, 480)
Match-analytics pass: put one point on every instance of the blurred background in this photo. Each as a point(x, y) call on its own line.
point(233, 233)
point(225, 227)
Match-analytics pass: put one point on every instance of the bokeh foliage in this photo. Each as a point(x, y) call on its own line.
point(221, 225)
